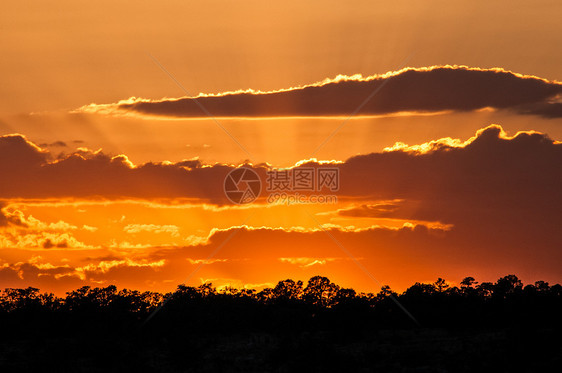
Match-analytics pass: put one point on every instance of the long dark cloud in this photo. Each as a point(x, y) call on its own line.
point(491, 167)
point(433, 89)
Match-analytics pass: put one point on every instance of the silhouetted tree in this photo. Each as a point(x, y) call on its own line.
point(320, 291)
point(485, 289)
point(467, 285)
point(441, 285)
point(265, 295)
point(385, 292)
point(28, 298)
point(419, 289)
point(542, 286)
point(507, 285)
point(556, 290)
point(207, 289)
point(344, 296)
point(287, 290)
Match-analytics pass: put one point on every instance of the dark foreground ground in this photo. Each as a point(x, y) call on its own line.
point(415, 350)
point(502, 327)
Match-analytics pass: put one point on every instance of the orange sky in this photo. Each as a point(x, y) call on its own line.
point(483, 201)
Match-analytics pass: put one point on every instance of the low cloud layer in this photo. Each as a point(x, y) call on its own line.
point(425, 90)
point(253, 255)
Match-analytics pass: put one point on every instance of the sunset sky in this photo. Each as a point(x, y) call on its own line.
point(121, 120)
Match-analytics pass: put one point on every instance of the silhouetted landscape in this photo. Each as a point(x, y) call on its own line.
point(314, 327)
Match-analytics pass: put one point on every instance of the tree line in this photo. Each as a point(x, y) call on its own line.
point(315, 327)
point(429, 303)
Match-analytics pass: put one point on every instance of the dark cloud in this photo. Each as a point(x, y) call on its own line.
point(3, 218)
point(18, 153)
point(544, 109)
point(10, 218)
point(48, 244)
point(28, 172)
point(419, 90)
point(489, 170)
point(379, 210)
point(57, 144)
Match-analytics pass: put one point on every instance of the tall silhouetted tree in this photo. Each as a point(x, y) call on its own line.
point(287, 290)
point(507, 285)
point(468, 282)
point(441, 285)
point(320, 291)
point(385, 292)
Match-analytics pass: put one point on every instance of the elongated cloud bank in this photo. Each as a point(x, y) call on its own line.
point(433, 89)
point(489, 166)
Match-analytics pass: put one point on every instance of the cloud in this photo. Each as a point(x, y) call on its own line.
point(419, 90)
point(304, 262)
point(27, 232)
point(48, 244)
point(397, 257)
point(23, 239)
point(488, 171)
point(378, 210)
point(57, 144)
point(205, 261)
point(153, 228)
point(22, 154)
point(106, 265)
point(27, 171)
point(39, 271)
point(11, 217)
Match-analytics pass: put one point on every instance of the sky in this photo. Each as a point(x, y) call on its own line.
point(389, 141)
